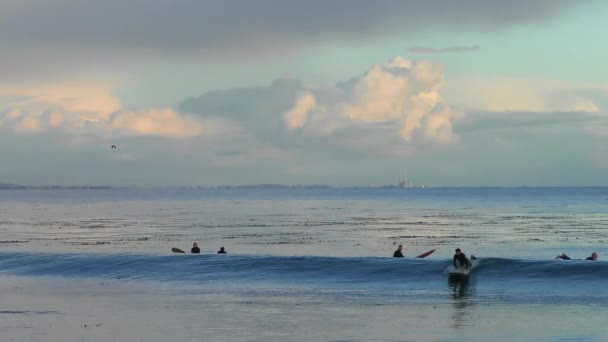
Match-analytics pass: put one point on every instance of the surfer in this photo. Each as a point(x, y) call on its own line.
point(461, 258)
point(563, 256)
point(399, 252)
point(221, 251)
point(195, 248)
point(593, 256)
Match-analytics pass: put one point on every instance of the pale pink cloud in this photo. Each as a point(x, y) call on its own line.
point(524, 94)
point(162, 122)
point(72, 96)
point(298, 115)
point(81, 108)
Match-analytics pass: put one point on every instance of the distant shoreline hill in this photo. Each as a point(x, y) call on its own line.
point(273, 186)
point(299, 186)
point(10, 186)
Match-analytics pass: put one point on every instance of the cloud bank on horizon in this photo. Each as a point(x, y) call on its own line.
point(68, 62)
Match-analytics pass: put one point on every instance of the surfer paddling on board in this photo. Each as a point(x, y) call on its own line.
point(222, 251)
point(399, 252)
point(563, 256)
point(593, 257)
point(460, 260)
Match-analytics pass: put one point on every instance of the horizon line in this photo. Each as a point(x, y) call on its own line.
point(277, 186)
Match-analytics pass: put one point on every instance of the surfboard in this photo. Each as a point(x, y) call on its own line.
point(177, 250)
point(426, 254)
point(462, 271)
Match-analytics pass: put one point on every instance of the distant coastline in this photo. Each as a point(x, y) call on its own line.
point(9, 186)
point(269, 186)
point(12, 186)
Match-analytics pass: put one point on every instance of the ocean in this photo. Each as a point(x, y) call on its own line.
point(302, 264)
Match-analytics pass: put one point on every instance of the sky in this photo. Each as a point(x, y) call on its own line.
point(339, 92)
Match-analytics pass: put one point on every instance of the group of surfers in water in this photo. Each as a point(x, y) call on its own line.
point(461, 260)
point(563, 256)
point(196, 250)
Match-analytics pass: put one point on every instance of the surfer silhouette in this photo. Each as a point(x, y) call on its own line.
point(460, 259)
point(113, 147)
point(195, 248)
point(222, 251)
point(593, 256)
point(399, 252)
point(563, 256)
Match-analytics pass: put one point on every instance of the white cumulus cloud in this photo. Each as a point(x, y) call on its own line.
point(401, 93)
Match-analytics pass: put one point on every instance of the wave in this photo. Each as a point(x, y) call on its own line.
point(499, 268)
point(300, 269)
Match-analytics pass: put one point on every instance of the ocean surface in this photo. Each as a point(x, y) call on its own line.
point(302, 265)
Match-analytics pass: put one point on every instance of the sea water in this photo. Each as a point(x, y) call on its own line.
point(302, 265)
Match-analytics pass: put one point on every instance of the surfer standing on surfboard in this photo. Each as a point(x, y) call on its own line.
point(461, 259)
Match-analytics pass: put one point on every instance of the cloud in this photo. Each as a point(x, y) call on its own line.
point(492, 121)
point(402, 94)
point(525, 95)
point(298, 115)
point(518, 105)
point(75, 96)
point(86, 110)
point(451, 49)
point(393, 109)
point(249, 110)
point(162, 122)
point(51, 35)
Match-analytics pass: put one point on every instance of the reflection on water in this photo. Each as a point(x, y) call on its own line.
point(462, 300)
point(459, 285)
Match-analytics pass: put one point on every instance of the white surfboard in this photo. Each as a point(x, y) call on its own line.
point(462, 271)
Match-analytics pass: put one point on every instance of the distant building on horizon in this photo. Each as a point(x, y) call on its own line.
point(403, 183)
point(406, 183)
